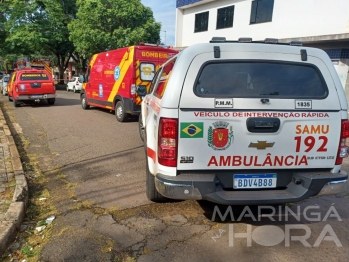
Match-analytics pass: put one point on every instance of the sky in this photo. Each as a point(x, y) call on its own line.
point(164, 12)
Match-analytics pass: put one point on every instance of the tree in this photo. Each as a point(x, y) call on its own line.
point(3, 33)
point(40, 26)
point(110, 24)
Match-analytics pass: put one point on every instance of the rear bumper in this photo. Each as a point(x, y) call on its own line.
point(35, 97)
point(207, 187)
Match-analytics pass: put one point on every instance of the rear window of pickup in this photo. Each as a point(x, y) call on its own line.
point(34, 76)
point(258, 79)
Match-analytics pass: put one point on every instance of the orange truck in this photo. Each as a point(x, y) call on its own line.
point(117, 79)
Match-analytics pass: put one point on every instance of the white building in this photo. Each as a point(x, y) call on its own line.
point(318, 23)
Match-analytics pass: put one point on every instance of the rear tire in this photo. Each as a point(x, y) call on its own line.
point(152, 193)
point(9, 98)
point(16, 103)
point(120, 114)
point(67, 88)
point(51, 101)
point(141, 127)
point(84, 104)
point(74, 90)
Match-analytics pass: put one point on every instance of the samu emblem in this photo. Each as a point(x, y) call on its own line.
point(220, 137)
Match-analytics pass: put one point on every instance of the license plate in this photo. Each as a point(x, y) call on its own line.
point(244, 181)
point(37, 96)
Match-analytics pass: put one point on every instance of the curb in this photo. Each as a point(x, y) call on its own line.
point(15, 214)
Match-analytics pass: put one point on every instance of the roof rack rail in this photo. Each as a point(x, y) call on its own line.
point(271, 41)
point(296, 43)
point(218, 39)
point(245, 40)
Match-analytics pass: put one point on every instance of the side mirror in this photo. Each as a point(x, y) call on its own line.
point(81, 79)
point(141, 90)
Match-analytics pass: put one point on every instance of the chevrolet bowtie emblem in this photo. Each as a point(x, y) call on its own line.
point(261, 144)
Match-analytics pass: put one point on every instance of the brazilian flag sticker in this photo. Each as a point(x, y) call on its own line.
point(192, 130)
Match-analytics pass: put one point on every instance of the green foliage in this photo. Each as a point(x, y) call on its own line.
point(65, 29)
point(109, 24)
point(39, 27)
point(29, 251)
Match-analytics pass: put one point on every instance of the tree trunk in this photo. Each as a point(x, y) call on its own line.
point(61, 74)
point(62, 64)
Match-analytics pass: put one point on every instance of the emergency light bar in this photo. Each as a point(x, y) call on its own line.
point(147, 44)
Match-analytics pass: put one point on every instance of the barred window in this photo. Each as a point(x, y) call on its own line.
point(261, 11)
point(225, 17)
point(201, 22)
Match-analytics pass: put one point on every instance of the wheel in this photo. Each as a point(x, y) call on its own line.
point(16, 103)
point(51, 101)
point(151, 192)
point(120, 114)
point(9, 98)
point(67, 88)
point(84, 102)
point(74, 89)
point(141, 127)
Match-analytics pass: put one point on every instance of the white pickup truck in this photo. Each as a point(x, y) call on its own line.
point(243, 122)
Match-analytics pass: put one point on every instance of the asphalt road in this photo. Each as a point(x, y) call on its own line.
point(95, 170)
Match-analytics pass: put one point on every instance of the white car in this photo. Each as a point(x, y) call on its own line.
point(74, 84)
point(245, 123)
point(3, 84)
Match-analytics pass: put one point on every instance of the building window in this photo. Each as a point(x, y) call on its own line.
point(201, 22)
point(261, 11)
point(225, 17)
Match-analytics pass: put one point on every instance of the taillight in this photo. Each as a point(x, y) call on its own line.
point(133, 89)
point(343, 148)
point(168, 142)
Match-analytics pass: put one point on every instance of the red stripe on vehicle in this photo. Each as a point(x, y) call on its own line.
point(152, 154)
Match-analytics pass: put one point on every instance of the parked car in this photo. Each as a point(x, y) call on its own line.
point(3, 85)
point(29, 85)
point(113, 78)
point(74, 84)
point(242, 122)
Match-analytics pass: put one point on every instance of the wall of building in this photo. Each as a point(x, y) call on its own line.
point(296, 18)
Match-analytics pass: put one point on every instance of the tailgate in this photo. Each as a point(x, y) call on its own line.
point(257, 140)
point(36, 83)
point(253, 110)
point(37, 87)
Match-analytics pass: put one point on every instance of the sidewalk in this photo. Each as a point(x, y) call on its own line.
point(12, 211)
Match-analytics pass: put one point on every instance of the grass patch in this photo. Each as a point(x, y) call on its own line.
point(61, 176)
point(71, 185)
point(28, 251)
point(9, 190)
point(83, 205)
point(108, 247)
